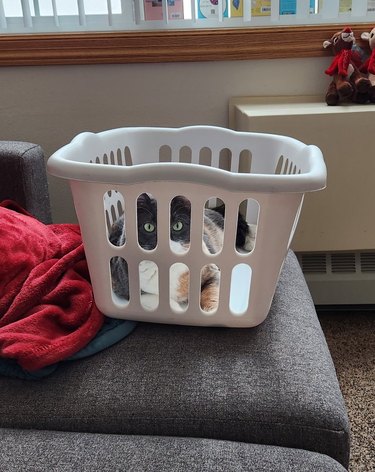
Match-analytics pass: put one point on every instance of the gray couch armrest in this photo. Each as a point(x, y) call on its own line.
point(23, 178)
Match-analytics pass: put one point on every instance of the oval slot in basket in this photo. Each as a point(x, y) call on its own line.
point(240, 289)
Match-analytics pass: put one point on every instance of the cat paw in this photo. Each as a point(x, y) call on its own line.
point(250, 238)
point(210, 296)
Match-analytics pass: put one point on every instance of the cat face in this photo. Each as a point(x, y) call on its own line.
point(180, 224)
point(147, 221)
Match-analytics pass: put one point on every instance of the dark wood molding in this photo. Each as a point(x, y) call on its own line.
point(168, 46)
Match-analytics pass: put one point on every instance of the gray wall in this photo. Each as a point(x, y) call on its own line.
point(50, 105)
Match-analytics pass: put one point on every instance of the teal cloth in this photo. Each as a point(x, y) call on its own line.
point(112, 331)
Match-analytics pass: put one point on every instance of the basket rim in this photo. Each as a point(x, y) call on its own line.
point(63, 164)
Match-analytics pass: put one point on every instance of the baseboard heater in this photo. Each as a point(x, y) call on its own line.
point(340, 278)
point(335, 237)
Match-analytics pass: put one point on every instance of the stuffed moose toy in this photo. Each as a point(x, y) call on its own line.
point(348, 83)
point(369, 65)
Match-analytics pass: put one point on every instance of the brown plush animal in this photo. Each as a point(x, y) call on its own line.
point(348, 83)
point(369, 66)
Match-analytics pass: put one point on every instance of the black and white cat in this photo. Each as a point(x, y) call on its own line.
point(212, 241)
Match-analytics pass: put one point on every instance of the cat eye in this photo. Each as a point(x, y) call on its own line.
point(149, 227)
point(178, 226)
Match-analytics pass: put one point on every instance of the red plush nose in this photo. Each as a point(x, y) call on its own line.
point(347, 30)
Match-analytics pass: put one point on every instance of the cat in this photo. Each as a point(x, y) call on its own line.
point(212, 241)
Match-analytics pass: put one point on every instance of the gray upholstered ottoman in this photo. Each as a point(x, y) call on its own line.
point(46, 451)
point(270, 385)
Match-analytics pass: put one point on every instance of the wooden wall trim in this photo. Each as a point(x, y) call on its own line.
point(168, 46)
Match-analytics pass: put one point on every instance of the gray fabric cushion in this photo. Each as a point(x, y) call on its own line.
point(48, 451)
point(273, 384)
point(23, 178)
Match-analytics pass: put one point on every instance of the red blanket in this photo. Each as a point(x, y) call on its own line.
point(47, 311)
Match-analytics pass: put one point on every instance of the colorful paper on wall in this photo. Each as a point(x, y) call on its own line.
point(258, 8)
point(289, 7)
point(263, 7)
point(154, 9)
point(345, 6)
point(210, 9)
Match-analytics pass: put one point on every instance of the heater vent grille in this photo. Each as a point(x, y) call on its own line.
point(313, 263)
point(340, 262)
point(343, 263)
point(367, 261)
point(340, 277)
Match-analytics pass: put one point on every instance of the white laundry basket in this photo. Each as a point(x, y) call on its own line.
point(264, 175)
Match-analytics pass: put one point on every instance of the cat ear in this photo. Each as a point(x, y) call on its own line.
point(180, 206)
point(180, 200)
point(146, 207)
point(146, 203)
point(144, 199)
point(220, 209)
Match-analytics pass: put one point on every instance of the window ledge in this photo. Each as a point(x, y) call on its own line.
point(169, 46)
